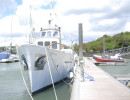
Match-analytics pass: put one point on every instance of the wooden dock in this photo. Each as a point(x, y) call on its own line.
point(97, 85)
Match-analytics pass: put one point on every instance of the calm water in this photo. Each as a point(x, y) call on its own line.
point(117, 70)
point(12, 86)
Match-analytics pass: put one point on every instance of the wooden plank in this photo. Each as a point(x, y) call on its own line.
point(103, 86)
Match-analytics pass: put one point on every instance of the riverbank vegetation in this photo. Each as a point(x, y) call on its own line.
point(8, 49)
point(111, 42)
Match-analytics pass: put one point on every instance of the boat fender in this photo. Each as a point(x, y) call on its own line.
point(40, 63)
point(70, 75)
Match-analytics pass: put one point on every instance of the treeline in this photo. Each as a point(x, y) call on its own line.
point(8, 49)
point(111, 42)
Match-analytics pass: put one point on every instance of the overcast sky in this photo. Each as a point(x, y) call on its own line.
point(99, 17)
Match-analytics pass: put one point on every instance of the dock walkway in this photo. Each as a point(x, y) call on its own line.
point(98, 85)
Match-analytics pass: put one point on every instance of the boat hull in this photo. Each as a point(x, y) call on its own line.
point(100, 59)
point(38, 59)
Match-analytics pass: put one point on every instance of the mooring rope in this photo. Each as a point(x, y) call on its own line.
point(24, 78)
point(51, 74)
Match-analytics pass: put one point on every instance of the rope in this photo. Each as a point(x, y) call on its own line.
point(58, 71)
point(24, 78)
point(51, 75)
point(87, 76)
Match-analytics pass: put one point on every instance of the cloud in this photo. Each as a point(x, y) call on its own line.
point(13, 35)
point(110, 26)
point(7, 5)
point(87, 11)
point(98, 17)
point(15, 41)
point(115, 19)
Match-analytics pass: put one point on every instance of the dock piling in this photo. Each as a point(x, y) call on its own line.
point(81, 62)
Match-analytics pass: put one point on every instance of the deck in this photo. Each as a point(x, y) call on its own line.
point(98, 85)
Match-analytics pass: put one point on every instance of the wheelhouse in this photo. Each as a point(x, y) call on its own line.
point(50, 38)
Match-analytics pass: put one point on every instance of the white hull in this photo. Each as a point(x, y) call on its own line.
point(61, 63)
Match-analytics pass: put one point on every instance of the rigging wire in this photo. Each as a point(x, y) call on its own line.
point(11, 31)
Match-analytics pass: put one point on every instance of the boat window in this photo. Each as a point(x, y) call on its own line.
point(40, 43)
point(55, 33)
point(54, 44)
point(47, 43)
point(43, 33)
point(49, 33)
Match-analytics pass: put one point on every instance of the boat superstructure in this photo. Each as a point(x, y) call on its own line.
point(49, 37)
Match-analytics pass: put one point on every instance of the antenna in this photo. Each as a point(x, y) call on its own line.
point(72, 42)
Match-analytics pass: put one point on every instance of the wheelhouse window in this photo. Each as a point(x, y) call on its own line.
point(54, 44)
point(47, 43)
point(43, 34)
point(49, 33)
point(40, 43)
point(55, 33)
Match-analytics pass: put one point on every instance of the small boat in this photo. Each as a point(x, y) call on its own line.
point(4, 56)
point(106, 58)
point(7, 58)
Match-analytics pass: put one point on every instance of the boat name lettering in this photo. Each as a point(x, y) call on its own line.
point(68, 61)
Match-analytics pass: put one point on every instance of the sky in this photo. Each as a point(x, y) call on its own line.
point(98, 17)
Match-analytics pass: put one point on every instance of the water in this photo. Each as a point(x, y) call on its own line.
point(12, 86)
point(117, 70)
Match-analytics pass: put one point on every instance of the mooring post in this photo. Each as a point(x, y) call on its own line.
point(104, 45)
point(81, 62)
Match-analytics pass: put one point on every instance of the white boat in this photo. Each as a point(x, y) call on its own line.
point(7, 58)
point(46, 57)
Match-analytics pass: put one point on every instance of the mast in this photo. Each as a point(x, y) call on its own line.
point(60, 37)
point(50, 20)
point(32, 30)
point(11, 33)
point(30, 25)
point(52, 16)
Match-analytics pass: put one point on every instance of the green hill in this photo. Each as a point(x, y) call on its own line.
point(111, 42)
